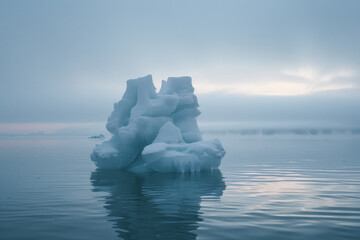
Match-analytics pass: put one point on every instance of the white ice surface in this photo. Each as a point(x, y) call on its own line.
point(157, 131)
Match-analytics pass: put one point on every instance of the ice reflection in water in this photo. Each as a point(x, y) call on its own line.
point(157, 205)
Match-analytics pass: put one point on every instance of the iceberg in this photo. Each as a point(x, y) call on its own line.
point(157, 131)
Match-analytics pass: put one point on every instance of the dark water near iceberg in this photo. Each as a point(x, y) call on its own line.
point(268, 187)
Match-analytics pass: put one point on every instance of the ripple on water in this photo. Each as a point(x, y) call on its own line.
point(267, 188)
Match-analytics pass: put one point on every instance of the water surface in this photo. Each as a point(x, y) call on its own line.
point(268, 187)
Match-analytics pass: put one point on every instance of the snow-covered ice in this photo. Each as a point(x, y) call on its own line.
point(157, 131)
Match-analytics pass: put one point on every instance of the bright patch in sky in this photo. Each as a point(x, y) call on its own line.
point(289, 82)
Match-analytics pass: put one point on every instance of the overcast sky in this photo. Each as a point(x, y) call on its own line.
point(66, 61)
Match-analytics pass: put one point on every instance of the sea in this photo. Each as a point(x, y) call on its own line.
point(288, 184)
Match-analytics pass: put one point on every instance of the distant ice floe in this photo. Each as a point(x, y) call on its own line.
point(100, 136)
point(157, 131)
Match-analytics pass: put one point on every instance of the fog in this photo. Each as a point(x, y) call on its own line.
point(68, 61)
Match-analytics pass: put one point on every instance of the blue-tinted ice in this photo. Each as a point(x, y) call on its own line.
point(157, 131)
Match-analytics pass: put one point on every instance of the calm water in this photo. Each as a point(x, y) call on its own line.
point(268, 187)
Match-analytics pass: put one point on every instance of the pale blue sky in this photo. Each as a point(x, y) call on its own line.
point(64, 61)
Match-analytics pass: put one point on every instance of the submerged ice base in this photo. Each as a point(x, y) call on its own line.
point(157, 131)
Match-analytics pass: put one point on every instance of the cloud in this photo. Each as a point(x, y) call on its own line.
point(318, 81)
point(288, 82)
point(57, 58)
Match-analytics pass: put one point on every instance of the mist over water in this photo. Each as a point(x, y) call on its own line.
point(91, 129)
point(277, 82)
